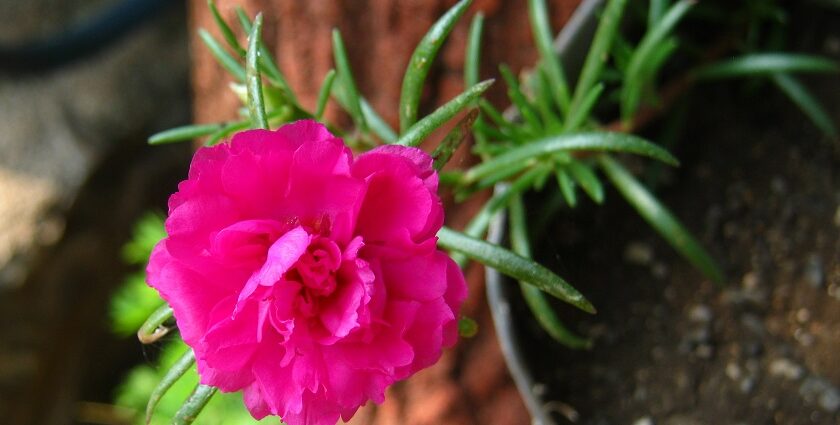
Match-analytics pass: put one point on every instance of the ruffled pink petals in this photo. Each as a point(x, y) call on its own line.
point(306, 279)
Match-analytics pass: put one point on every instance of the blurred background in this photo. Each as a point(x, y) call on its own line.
point(83, 83)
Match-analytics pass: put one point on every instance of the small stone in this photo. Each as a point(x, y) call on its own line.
point(638, 253)
point(644, 420)
point(785, 368)
point(814, 273)
point(733, 371)
point(804, 338)
point(819, 391)
point(700, 313)
point(750, 280)
point(837, 216)
point(747, 385)
point(803, 315)
point(704, 351)
point(752, 323)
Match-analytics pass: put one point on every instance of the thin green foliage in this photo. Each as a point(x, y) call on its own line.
point(513, 265)
point(421, 62)
point(537, 302)
point(256, 106)
point(659, 217)
point(421, 129)
point(541, 29)
point(806, 102)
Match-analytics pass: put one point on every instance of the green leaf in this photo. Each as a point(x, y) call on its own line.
point(536, 300)
point(518, 98)
point(472, 63)
point(544, 39)
point(579, 114)
point(222, 56)
point(453, 140)
point(183, 133)
point(656, 11)
point(266, 63)
point(567, 187)
point(324, 94)
point(659, 217)
point(598, 141)
point(175, 373)
point(640, 65)
point(587, 179)
point(193, 406)
point(256, 107)
point(766, 64)
point(421, 62)
point(153, 329)
point(421, 129)
point(227, 33)
point(377, 123)
point(608, 26)
point(806, 102)
point(513, 265)
point(348, 85)
point(467, 328)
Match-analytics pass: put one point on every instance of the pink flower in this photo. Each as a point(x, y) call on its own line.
point(310, 280)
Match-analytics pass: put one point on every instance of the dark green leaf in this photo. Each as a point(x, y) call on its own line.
point(194, 404)
point(421, 62)
point(598, 141)
point(608, 26)
point(660, 218)
point(579, 114)
point(545, 45)
point(256, 107)
point(587, 179)
point(536, 300)
point(567, 187)
point(421, 129)
point(225, 59)
point(765, 64)
point(525, 108)
point(180, 134)
point(640, 66)
point(806, 102)
point(513, 265)
point(175, 373)
point(453, 140)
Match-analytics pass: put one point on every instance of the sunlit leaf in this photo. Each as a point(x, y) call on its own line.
point(222, 56)
point(194, 404)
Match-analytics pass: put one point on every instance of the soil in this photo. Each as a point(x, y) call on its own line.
point(761, 188)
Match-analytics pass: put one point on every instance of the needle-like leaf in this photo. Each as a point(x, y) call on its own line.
point(421, 62)
point(659, 217)
point(513, 265)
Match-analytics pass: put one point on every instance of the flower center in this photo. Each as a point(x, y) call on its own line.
point(316, 270)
